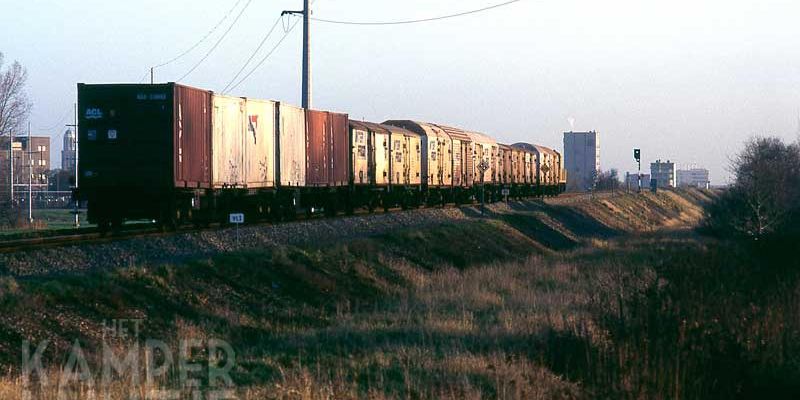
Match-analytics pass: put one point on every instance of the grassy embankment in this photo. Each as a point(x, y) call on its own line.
point(606, 298)
point(46, 221)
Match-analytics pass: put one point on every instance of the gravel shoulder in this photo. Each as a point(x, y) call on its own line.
point(570, 216)
point(179, 247)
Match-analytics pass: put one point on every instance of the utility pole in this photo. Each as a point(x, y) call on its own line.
point(306, 54)
point(151, 75)
point(637, 155)
point(11, 160)
point(30, 177)
point(75, 189)
point(306, 12)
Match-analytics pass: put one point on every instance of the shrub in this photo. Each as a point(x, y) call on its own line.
point(764, 200)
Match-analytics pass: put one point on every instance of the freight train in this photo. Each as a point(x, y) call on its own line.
point(176, 154)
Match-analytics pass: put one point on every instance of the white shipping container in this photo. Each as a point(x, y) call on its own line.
point(259, 144)
point(292, 142)
point(228, 142)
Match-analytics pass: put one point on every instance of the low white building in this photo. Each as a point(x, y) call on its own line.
point(693, 177)
point(663, 173)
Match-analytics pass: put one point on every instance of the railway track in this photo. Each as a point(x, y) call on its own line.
point(92, 235)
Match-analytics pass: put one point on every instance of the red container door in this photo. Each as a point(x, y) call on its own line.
point(317, 148)
point(340, 146)
point(192, 137)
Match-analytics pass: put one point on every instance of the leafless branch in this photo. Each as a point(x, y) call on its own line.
point(14, 104)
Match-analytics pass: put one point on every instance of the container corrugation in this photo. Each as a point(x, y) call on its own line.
point(326, 148)
point(547, 166)
point(485, 149)
point(228, 142)
point(259, 144)
point(362, 157)
point(340, 136)
point(436, 146)
point(406, 148)
point(529, 160)
point(379, 165)
point(464, 163)
point(192, 138)
point(505, 164)
point(318, 148)
point(292, 145)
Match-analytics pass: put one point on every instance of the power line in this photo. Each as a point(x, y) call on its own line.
point(144, 76)
point(285, 35)
point(187, 51)
point(218, 41)
point(415, 21)
point(258, 48)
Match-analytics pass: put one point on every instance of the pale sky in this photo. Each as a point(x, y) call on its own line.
point(688, 81)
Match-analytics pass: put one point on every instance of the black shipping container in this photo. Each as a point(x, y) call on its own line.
point(138, 143)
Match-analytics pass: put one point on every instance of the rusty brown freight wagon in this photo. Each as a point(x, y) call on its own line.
point(145, 150)
point(327, 149)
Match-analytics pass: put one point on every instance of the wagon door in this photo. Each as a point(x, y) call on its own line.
point(458, 167)
point(407, 160)
point(259, 148)
point(228, 142)
point(360, 155)
point(415, 158)
point(383, 164)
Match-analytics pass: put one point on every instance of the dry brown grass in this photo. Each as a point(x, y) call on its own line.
point(618, 315)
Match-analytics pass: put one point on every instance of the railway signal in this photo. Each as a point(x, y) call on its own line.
point(637, 155)
point(483, 167)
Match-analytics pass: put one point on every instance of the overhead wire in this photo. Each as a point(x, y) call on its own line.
point(218, 41)
point(187, 51)
point(415, 21)
point(253, 55)
point(264, 59)
point(144, 76)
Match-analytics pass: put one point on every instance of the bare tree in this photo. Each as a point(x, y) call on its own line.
point(14, 104)
point(765, 198)
point(14, 110)
point(608, 180)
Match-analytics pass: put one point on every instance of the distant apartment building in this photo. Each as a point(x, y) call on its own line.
point(68, 153)
point(663, 173)
point(31, 159)
point(693, 177)
point(581, 160)
point(632, 180)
